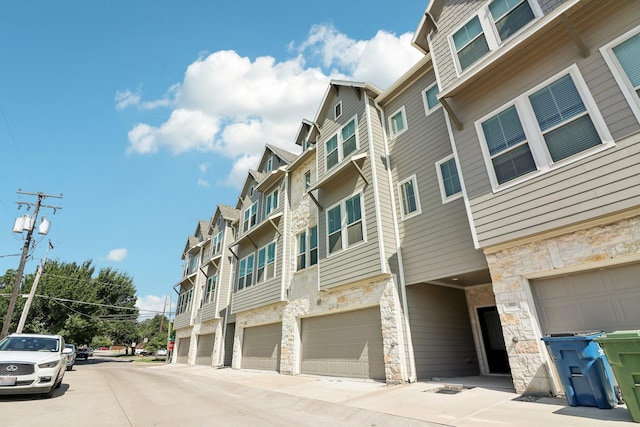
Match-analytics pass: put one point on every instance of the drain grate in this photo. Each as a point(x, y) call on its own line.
point(449, 389)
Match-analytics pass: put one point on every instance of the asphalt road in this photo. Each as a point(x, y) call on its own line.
point(107, 391)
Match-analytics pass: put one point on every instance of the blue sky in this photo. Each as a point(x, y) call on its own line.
point(147, 114)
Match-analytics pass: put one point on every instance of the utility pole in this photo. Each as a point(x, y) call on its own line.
point(27, 306)
point(164, 308)
point(25, 251)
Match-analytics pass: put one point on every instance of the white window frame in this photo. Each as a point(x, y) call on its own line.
point(307, 180)
point(249, 270)
point(392, 129)
point(305, 254)
point(344, 226)
point(402, 197)
point(271, 202)
point(490, 33)
point(265, 250)
point(443, 192)
point(249, 221)
point(534, 135)
point(209, 294)
point(619, 74)
point(340, 143)
point(428, 110)
point(269, 165)
point(337, 110)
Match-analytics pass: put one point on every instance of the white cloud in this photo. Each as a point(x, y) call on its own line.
point(117, 255)
point(151, 305)
point(232, 105)
point(203, 183)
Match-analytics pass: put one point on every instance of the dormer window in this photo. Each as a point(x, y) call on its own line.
point(337, 110)
point(269, 166)
point(490, 28)
point(251, 190)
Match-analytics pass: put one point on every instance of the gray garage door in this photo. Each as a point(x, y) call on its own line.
point(204, 353)
point(261, 347)
point(183, 349)
point(344, 345)
point(606, 299)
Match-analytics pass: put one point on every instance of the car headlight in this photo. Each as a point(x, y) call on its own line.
point(47, 365)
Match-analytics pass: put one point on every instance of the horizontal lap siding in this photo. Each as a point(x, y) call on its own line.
point(601, 184)
point(384, 192)
point(226, 275)
point(257, 296)
point(438, 242)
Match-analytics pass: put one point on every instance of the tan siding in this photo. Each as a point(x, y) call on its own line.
point(438, 242)
point(599, 185)
point(256, 296)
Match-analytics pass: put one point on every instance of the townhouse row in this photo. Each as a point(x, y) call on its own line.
point(442, 226)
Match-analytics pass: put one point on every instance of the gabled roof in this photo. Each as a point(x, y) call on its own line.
point(427, 25)
point(308, 131)
point(192, 242)
point(334, 89)
point(225, 212)
point(285, 155)
point(253, 176)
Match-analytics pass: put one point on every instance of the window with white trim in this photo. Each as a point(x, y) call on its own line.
point(184, 302)
point(191, 264)
point(210, 288)
point(448, 179)
point(271, 202)
point(553, 122)
point(250, 217)
point(307, 180)
point(397, 122)
point(216, 244)
point(623, 58)
point(342, 144)
point(245, 272)
point(337, 110)
point(491, 27)
point(409, 198)
point(307, 248)
point(345, 224)
point(430, 98)
point(269, 166)
point(266, 268)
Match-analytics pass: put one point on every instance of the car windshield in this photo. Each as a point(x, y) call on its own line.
point(28, 344)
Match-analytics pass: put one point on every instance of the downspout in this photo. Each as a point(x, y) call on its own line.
point(396, 232)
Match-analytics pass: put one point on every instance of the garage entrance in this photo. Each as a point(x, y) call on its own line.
point(204, 353)
point(344, 345)
point(261, 347)
point(441, 332)
point(183, 350)
point(605, 299)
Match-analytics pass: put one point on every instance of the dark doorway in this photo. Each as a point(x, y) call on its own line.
point(228, 344)
point(493, 340)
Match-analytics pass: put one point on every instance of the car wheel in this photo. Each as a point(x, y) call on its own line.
point(49, 394)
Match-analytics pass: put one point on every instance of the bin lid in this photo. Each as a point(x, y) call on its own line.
point(621, 335)
point(575, 335)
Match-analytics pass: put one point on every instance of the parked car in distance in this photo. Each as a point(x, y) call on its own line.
point(161, 352)
point(32, 363)
point(141, 352)
point(71, 358)
point(84, 353)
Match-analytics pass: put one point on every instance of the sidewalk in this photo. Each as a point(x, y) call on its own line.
point(464, 402)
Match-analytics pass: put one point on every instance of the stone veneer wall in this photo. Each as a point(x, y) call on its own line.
point(479, 296)
point(510, 268)
point(381, 293)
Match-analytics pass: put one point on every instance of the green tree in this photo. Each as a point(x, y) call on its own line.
point(155, 331)
point(71, 301)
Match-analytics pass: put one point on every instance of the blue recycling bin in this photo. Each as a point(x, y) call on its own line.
point(585, 373)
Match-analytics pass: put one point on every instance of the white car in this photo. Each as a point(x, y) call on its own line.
point(32, 363)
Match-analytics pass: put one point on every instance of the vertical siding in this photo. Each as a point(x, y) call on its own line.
point(438, 242)
point(441, 332)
